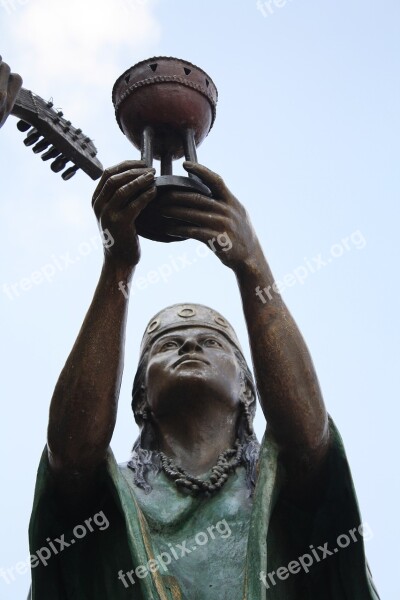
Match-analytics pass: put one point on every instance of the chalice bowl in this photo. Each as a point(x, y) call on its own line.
point(166, 107)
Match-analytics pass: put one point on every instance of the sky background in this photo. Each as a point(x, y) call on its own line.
point(306, 136)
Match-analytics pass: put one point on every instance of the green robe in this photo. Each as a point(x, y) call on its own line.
point(187, 541)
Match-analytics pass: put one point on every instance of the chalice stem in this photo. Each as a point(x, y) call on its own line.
point(190, 149)
point(148, 146)
point(166, 164)
point(190, 146)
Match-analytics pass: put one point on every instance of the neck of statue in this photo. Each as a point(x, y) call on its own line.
point(194, 436)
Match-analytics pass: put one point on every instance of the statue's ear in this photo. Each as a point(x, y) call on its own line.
point(246, 391)
point(247, 399)
point(148, 438)
point(141, 411)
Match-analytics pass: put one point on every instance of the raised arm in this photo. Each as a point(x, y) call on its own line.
point(10, 84)
point(286, 380)
point(84, 405)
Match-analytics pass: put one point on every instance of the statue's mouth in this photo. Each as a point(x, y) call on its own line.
point(189, 358)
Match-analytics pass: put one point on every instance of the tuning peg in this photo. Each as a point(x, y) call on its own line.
point(40, 146)
point(85, 143)
point(23, 126)
point(70, 172)
point(76, 134)
point(52, 152)
point(57, 118)
point(59, 164)
point(32, 137)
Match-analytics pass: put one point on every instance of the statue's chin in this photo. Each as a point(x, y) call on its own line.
point(194, 395)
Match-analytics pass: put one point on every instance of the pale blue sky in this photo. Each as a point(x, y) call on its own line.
point(307, 137)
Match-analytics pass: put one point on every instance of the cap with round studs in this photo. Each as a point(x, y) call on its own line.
point(181, 316)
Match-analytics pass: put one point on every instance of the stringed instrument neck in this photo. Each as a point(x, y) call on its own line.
point(48, 132)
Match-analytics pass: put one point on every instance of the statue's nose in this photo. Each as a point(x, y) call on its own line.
point(190, 345)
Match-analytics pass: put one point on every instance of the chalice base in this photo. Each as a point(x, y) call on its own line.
point(151, 223)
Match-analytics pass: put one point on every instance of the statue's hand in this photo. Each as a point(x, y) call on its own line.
point(10, 84)
point(122, 193)
point(209, 220)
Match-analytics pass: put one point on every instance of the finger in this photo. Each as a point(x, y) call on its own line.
point(139, 203)
point(120, 168)
point(14, 85)
point(111, 188)
point(116, 169)
point(4, 74)
point(4, 77)
point(192, 199)
point(113, 183)
point(188, 231)
point(211, 179)
point(130, 192)
point(196, 217)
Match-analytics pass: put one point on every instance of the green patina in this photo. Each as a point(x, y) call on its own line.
point(266, 534)
point(195, 538)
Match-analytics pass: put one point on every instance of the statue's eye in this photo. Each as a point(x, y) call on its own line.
point(170, 345)
point(212, 343)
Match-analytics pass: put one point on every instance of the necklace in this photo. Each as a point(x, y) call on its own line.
point(226, 464)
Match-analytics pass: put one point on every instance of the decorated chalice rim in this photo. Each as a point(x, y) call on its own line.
point(212, 98)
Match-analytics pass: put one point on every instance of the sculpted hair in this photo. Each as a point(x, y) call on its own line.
point(144, 460)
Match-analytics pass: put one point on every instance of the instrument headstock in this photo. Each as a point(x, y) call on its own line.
point(48, 131)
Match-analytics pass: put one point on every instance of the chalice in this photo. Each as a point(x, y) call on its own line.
point(166, 107)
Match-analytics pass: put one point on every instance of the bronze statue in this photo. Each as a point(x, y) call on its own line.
point(201, 510)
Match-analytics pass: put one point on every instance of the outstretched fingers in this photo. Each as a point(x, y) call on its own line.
point(14, 84)
point(192, 200)
point(139, 203)
point(5, 73)
point(127, 165)
point(190, 231)
point(113, 190)
point(211, 179)
point(195, 217)
point(4, 77)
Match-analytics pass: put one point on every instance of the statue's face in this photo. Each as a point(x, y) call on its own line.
point(188, 365)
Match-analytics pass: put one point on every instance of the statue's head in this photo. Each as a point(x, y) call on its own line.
point(190, 351)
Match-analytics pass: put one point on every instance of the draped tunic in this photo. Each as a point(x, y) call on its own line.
point(168, 545)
